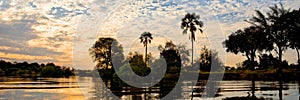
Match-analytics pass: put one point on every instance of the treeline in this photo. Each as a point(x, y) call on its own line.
point(108, 54)
point(25, 69)
point(112, 65)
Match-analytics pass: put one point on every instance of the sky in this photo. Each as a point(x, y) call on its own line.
point(62, 31)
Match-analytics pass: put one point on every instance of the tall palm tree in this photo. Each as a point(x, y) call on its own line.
point(146, 38)
point(191, 23)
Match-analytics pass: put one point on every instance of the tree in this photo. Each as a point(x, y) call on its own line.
point(1, 72)
point(146, 38)
point(248, 42)
point(293, 21)
point(137, 64)
point(267, 61)
point(5, 65)
point(171, 55)
point(103, 50)
point(205, 59)
point(184, 54)
point(50, 70)
point(25, 69)
point(191, 23)
point(108, 55)
point(208, 59)
point(274, 25)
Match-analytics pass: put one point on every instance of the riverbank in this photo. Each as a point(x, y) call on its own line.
point(263, 75)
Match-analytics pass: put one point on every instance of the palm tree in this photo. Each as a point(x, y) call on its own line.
point(275, 26)
point(192, 23)
point(146, 38)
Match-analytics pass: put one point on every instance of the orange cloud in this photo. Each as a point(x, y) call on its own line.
point(9, 48)
point(23, 57)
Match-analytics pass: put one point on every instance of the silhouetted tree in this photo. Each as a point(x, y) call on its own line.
point(137, 64)
point(267, 61)
point(103, 50)
point(248, 42)
point(170, 53)
point(274, 25)
point(1, 72)
point(48, 71)
point(191, 23)
point(26, 69)
point(208, 59)
point(184, 54)
point(146, 38)
point(293, 24)
point(108, 54)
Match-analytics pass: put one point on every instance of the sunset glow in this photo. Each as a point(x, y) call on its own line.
point(48, 31)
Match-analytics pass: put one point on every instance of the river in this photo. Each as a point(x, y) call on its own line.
point(84, 88)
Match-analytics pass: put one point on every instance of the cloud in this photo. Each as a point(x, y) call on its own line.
point(12, 31)
point(4, 4)
point(45, 28)
point(39, 30)
point(9, 48)
point(22, 57)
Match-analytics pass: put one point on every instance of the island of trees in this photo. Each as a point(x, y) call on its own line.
point(33, 70)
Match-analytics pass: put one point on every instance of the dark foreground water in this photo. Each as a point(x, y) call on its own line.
point(81, 88)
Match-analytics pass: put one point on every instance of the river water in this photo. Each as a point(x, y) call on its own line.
point(84, 88)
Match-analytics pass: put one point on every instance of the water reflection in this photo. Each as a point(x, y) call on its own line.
point(227, 89)
point(94, 89)
point(32, 89)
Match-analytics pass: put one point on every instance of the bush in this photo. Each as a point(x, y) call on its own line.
point(51, 71)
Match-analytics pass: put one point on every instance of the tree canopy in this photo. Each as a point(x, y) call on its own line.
point(209, 61)
point(25, 69)
point(248, 41)
point(104, 50)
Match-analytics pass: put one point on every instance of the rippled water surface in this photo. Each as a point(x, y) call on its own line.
point(82, 88)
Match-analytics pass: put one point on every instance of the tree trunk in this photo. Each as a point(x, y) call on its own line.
point(252, 61)
point(280, 59)
point(192, 53)
point(146, 61)
point(280, 72)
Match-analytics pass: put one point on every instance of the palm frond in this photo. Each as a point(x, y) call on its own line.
point(200, 30)
point(260, 15)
